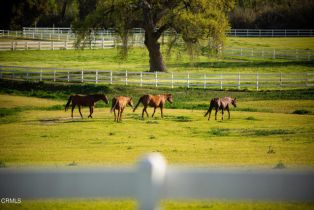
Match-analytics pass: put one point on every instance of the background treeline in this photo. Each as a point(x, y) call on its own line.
point(273, 14)
point(266, 14)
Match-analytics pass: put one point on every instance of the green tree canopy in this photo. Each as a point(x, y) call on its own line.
point(194, 20)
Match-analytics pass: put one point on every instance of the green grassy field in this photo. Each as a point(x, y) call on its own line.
point(37, 132)
point(178, 62)
point(49, 137)
point(266, 129)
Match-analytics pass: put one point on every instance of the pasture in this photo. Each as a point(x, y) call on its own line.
point(268, 129)
point(265, 131)
point(37, 134)
point(108, 59)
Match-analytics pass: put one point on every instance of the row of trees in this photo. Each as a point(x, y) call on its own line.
point(200, 23)
point(246, 14)
point(273, 14)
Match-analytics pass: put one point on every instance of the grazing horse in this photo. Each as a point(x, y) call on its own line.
point(120, 103)
point(154, 101)
point(85, 100)
point(220, 103)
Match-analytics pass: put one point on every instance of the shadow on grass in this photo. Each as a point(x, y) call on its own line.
point(241, 64)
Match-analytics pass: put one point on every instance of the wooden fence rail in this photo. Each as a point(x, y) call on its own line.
point(151, 180)
point(221, 81)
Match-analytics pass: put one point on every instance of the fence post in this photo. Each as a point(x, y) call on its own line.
point(41, 75)
point(205, 81)
point(171, 79)
point(126, 77)
point(156, 78)
point(257, 87)
point(274, 54)
point(252, 52)
point(68, 76)
point(151, 173)
point(111, 77)
point(239, 81)
point(54, 75)
point(188, 80)
point(141, 79)
point(39, 45)
point(96, 79)
point(26, 45)
point(102, 43)
point(82, 76)
point(52, 45)
point(241, 52)
point(221, 82)
point(66, 45)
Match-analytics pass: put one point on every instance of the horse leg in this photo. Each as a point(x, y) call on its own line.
point(146, 111)
point(90, 112)
point(73, 106)
point(216, 113)
point(209, 113)
point(115, 115)
point(122, 109)
point(222, 113)
point(227, 108)
point(154, 111)
point(161, 112)
point(80, 111)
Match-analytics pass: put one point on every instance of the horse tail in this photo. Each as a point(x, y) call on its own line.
point(138, 103)
point(114, 104)
point(212, 104)
point(68, 104)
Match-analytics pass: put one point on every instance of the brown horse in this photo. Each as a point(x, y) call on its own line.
point(85, 100)
point(220, 103)
point(154, 101)
point(120, 103)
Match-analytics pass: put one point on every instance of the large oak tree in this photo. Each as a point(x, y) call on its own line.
point(194, 20)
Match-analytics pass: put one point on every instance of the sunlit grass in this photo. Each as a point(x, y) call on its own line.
point(179, 61)
point(166, 205)
point(41, 137)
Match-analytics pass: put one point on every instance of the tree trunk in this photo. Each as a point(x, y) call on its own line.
point(155, 58)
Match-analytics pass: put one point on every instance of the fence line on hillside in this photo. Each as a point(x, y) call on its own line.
point(220, 81)
point(151, 181)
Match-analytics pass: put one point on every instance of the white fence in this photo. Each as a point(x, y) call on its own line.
point(232, 32)
point(220, 81)
point(54, 45)
point(271, 33)
point(299, 55)
point(151, 180)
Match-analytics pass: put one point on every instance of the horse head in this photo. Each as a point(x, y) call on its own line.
point(234, 102)
point(104, 98)
point(170, 98)
point(130, 102)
